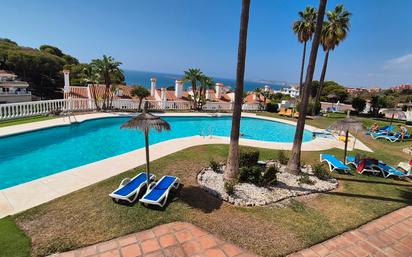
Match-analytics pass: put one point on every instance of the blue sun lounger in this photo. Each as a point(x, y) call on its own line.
point(129, 189)
point(159, 192)
point(352, 160)
point(334, 163)
point(393, 138)
point(388, 171)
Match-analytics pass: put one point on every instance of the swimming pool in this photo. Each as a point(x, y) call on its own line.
point(28, 156)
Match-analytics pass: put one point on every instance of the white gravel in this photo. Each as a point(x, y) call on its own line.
point(246, 194)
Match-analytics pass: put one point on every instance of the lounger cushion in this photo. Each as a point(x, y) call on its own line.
point(132, 185)
point(391, 170)
point(161, 187)
point(335, 162)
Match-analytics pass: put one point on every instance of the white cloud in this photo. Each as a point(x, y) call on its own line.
point(399, 64)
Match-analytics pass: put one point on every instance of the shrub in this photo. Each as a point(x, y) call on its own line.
point(251, 175)
point(229, 187)
point(309, 108)
point(408, 123)
point(320, 172)
point(216, 167)
point(272, 107)
point(282, 157)
point(248, 157)
point(305, 179)
point(269, 177)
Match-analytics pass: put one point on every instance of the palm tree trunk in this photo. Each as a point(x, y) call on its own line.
point(194, 94)
point(301, 70)
point(321, 82)
point(232, 166)
point(294, 161)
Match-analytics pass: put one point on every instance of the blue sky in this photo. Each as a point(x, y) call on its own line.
point(173, 35)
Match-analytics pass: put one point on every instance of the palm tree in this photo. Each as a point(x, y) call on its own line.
point(91, 77)
point(294, 161)
point(109, 72)
point(194, 76)
point(334, 31)
point(232, 165)
point(140, 92)
point(304, 29)
point(206, 83)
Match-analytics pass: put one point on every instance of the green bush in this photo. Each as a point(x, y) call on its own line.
point(269, 177)
point(248, 157)
point(309, 108)
point(320, 172)
point(305, 179)
point(216, 167)
point(229, 187)
point(251, 175)
point(282, 157)
point(408, 123)
point(272, 107)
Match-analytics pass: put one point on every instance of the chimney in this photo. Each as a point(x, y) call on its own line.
point(218, 88)
point(208, 96)
point(153, 86)
point(66, 81)
point(178, 89)
point(163, 96)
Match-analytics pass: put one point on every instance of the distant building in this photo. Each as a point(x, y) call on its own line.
point(13, 90)
point(356, 90)
point(219, 93)
point(401, 87)
point(291, 91)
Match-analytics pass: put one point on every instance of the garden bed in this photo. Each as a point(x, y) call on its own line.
point(248, 194)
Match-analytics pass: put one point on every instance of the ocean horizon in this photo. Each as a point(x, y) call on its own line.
point(133, 77)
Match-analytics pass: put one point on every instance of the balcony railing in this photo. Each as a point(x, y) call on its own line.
point(24, 109)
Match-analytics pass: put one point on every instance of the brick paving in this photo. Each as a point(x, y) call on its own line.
point(170, 240)
point(390, 235)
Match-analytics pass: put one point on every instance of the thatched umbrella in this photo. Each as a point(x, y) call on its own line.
point(392, 112)
point(347, 124)
point(146, 121)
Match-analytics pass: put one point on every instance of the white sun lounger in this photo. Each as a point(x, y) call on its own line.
point(129, 189)
point(159, 192)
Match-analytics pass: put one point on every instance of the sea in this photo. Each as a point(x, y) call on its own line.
point(142, 78)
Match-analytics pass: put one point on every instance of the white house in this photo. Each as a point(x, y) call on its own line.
point(13, 90)
point(292, 91)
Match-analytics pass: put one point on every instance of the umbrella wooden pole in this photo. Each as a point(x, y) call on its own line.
point(354, 141)
point(346, 146)
point(146, 137)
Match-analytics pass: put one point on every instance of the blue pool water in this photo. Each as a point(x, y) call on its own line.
point(28, 156)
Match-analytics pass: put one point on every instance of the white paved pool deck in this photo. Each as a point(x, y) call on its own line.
point(25, 196)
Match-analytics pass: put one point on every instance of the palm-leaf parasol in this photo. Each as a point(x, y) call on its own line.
point(347, 124)
point(394, 112)
point(146, 121)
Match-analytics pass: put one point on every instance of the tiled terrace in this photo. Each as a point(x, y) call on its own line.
point(171, 240)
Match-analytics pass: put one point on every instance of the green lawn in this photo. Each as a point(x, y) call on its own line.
point(89, 216)
point(24, 120)
point(13, 242)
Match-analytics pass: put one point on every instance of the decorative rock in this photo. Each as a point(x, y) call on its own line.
point(246, 194)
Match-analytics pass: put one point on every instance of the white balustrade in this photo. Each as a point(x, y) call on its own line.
point(25, 109)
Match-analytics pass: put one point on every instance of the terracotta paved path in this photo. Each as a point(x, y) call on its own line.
point(390, 235)
point(173, 239)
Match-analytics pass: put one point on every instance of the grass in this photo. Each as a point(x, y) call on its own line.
point(89, 216)
point(19, 121)
point(13, 241)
